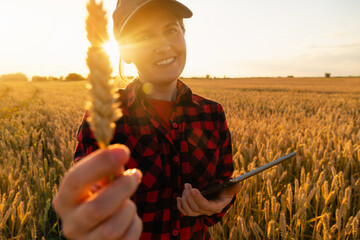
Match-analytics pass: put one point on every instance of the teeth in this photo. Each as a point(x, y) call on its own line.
point(165, 61)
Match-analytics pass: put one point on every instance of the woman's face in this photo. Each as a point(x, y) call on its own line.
point(155, 43)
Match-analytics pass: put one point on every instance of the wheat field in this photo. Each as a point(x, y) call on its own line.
point(314, 196)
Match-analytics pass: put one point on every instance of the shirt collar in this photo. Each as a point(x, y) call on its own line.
point(134, 90)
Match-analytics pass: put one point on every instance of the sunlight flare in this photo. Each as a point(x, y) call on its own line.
point(112, 51)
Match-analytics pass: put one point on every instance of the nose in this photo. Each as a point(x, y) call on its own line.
point(161, 45)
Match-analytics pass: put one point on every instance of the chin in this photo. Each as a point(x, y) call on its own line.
point(162, 78)
point(166, 81)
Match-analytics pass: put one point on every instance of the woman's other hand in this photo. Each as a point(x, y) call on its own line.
point(193, 203)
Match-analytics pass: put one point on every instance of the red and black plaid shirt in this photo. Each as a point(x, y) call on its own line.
point(196, 150)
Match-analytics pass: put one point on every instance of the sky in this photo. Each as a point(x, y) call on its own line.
point(232, 38)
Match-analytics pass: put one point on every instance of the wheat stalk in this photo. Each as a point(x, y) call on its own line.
point(267, 210)
point(242, 226)
point(102, 108)
point(347, 198)
point(355, 227)
point(282, 225)
point(348, 226)
point(271, 229)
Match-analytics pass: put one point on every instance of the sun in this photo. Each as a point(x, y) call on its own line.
point(111, 48)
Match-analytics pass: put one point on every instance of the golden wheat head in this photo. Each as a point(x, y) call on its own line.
point(102, 108)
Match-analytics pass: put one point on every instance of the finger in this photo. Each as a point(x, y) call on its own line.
point(190, 200)
point(96, 187)
point(180, 207)
point(184, 201)
point(116, 226)
point(210, 207)
point(184, 204)
point(202, 202)
point(103, 182)
point(105, 202)
point(96, 166)
point(134, 232)
point(119, 172)
point(195, 203)
point(214, 206)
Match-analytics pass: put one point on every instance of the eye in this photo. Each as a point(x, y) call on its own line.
point(143, 38)
point(172, 30)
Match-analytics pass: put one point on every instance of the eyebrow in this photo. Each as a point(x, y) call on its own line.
point(140, 33)
point(172, 24)
point(147, 31)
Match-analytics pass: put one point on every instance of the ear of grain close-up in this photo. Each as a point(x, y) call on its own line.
point(102, 107)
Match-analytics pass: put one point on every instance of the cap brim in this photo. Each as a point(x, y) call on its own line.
point(178, 8)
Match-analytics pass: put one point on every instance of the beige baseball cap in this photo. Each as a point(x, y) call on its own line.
point(128, 9)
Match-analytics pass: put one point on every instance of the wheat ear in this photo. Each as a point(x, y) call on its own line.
point(102, 108)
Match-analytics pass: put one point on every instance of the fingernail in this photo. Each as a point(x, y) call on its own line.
point(138, 175)
point(187, 186)
point(134, 172)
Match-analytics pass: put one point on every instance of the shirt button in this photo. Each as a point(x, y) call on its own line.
point(175, 125)
point(175, 159)
point(175, 232)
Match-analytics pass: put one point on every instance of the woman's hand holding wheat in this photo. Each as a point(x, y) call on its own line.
point(108, 213)
point(105, 212)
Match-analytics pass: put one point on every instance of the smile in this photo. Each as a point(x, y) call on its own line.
point(165, 61)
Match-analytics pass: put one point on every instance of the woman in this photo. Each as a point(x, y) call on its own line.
point(179, 140)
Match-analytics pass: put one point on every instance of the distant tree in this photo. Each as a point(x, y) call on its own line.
point(290, 76)
point(207, 76)
point(39, 79)
point(74, 77)
point(327, 75)
point(14, 77)
point(51, 78)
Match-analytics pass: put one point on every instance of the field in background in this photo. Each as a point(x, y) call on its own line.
point(317, 195)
